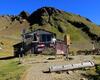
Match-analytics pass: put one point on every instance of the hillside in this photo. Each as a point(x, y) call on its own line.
point(82, 30)
point(10, 32)
point(61, 21)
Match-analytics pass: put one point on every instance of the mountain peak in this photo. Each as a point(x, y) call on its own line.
point(24, 14)
point(49, 10)
point(42, 15)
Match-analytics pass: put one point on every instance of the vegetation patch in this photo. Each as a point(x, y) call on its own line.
point(10, 69)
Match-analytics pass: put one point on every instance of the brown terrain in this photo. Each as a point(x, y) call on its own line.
point(10, 33)
point(40, 63)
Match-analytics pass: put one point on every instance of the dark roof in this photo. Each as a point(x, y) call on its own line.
point(18, 44)
point(39, 30)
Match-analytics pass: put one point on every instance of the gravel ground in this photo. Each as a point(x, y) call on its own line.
point(40, 63)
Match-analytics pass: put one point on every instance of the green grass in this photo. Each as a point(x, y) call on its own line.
point(10, 69)
point(97, 59)
point(4, 54)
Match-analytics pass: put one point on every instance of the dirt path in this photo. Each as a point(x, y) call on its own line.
point(38, 65)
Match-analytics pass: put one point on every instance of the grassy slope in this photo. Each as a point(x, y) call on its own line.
point(10, 70)
point(93, 27)
point(79, 39)
point(10, 35)
point(4, 22)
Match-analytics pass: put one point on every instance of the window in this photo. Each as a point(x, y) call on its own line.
point(35, 39)
point(43, 38)
point(49, 37)
point(46, 38)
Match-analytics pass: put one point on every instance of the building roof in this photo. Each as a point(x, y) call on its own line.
point(40, 31)
point(18, 44)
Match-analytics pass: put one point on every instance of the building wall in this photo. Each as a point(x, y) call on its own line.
point(61, 48)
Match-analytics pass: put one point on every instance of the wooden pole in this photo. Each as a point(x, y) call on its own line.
point(67, 42)
point(67, 52)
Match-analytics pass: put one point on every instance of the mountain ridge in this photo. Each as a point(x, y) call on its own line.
point(81, 29)
point(52, 16)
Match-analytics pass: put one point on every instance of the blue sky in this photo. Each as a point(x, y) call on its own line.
point(86, 8)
